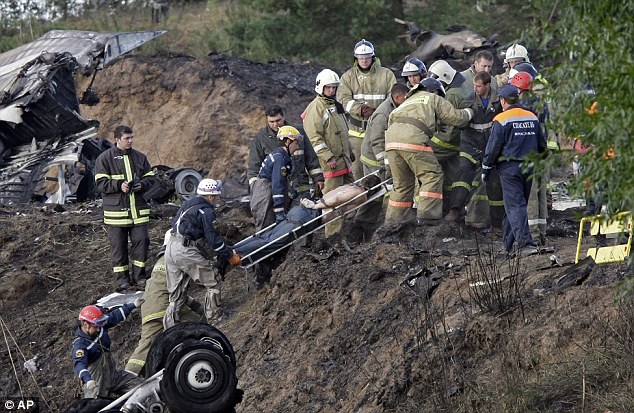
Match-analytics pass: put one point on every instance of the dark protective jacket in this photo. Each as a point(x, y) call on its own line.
point(478, 130)
point(112, 169)
point(305, 161)
point(516, 133)
point(87, 349)
point(276, 167)
point(448, 137)
point(195, 220)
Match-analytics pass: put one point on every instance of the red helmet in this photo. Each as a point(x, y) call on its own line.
point(93, 315)
point(522, 80)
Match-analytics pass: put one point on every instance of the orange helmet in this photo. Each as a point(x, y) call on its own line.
point(93, 315)
point(522, 80)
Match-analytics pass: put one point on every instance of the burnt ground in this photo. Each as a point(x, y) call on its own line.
point(337, 330)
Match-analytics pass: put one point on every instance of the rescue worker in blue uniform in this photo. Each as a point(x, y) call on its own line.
point(515, 134)
point(194, 251)
point(92, 360)
point(269, 197)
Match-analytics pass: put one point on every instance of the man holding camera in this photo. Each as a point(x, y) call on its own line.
point(123, 175)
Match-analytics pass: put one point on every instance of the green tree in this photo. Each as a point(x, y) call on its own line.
point(589, 45)
point(315, 29)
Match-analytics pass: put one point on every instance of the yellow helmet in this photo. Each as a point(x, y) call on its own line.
point(288, 132)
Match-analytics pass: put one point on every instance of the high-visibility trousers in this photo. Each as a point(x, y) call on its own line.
point(407, 167)
point(118, 240)
point(483, 200)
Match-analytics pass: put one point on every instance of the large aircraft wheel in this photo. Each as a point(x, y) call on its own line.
point(198, 378)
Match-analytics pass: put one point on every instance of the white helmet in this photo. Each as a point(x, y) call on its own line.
point(442, 71)
point(326, 78)
point(516, 52)
point(363, 49)
point(209, 187)
point(414, 66)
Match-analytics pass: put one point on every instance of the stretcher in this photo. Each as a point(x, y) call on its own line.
point(286, 239)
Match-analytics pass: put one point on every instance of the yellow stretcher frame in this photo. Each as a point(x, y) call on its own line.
point(619, 223)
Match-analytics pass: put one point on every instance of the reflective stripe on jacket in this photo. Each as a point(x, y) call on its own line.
point(427, 108)
point(327, 131)
point(276, 167)
point(112, 169)
point(516, 133)
point(305, 161)
point(195, 220)
point(360, 88)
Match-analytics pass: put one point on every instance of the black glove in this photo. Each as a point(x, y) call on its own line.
point(280, 216)
point(485, 174)
point(221, 266)
point(292, 193)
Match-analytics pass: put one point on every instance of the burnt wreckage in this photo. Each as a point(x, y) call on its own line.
point(47, 149)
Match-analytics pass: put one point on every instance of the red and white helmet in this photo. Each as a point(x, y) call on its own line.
point(93, 315)
point(209, 187)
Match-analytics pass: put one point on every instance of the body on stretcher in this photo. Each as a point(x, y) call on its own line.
point(300, 223)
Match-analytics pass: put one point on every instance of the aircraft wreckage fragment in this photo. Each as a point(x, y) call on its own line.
point(47, 149)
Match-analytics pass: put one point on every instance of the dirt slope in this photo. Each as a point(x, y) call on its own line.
point(197, 113)
point(337, 331)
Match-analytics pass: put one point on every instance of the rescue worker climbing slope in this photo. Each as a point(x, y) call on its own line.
point(156, 300)
point(192, 232)
point(92, 360)
point(122, 175)
point(269, 196)
point(407, 142)
point(363, 88)
point(327, 129)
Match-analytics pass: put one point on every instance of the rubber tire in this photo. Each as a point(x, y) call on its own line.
point(186, 183)
point(181, 397)
point(170, 339)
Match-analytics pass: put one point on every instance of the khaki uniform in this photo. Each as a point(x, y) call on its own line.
point(373, 156)
point(152, 313)
point(446, 145)
point(360, 88)
point(411, 158)
point(327, 130)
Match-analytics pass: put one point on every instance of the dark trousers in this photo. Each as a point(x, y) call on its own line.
point(516, 187)
point(118, 239)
